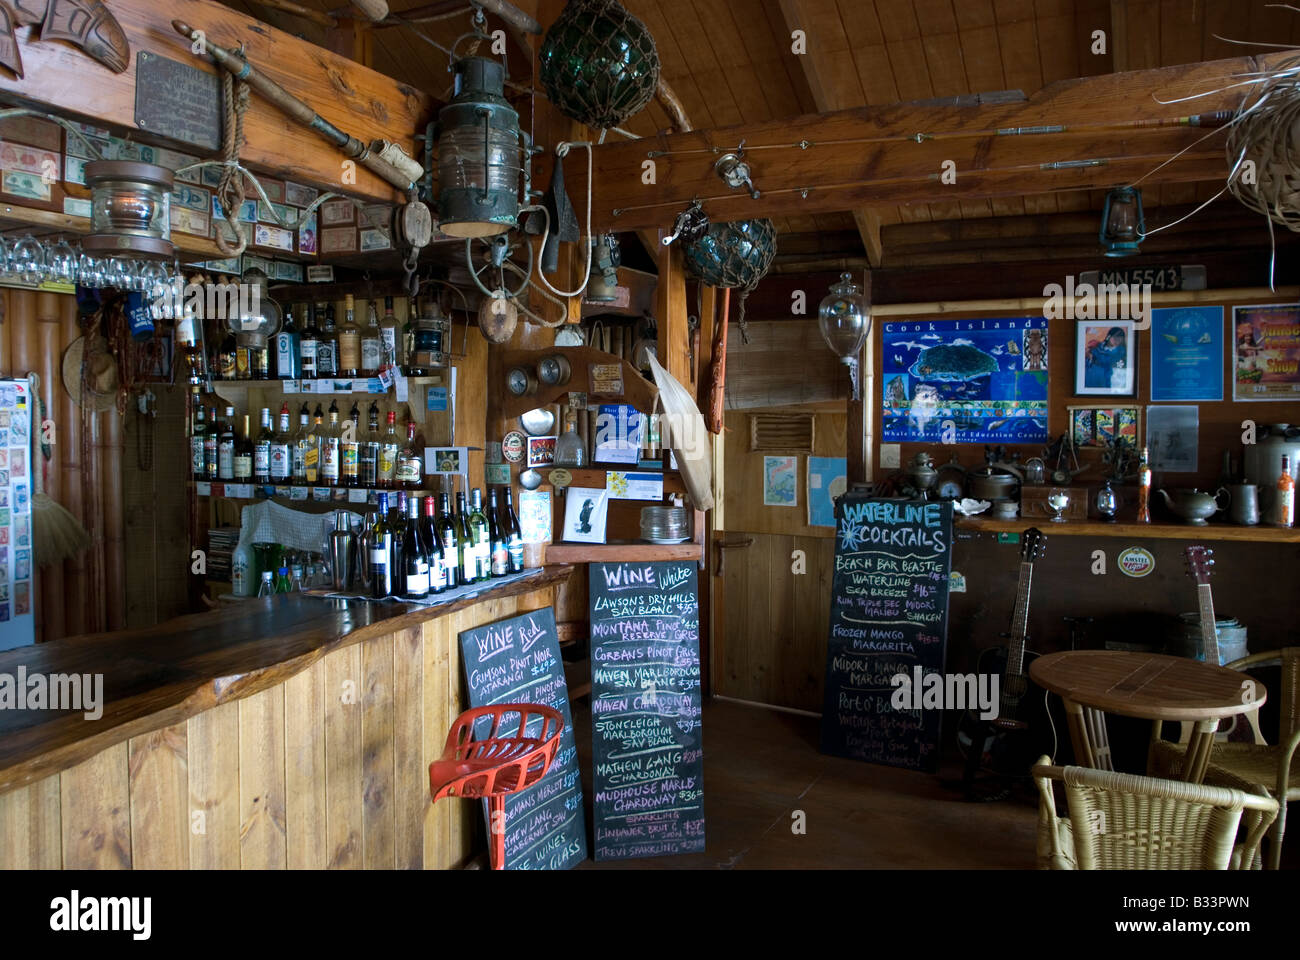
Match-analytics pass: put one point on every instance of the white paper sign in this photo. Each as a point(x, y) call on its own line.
point(634, 486)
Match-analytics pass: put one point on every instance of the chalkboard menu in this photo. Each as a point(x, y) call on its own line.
point(518, 661)
point(889, 616)
point(647, 754)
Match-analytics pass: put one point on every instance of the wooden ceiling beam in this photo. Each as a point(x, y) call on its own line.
point(853, 159)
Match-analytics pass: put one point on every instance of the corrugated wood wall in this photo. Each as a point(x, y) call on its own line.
point(291, 777)
point(86, 592)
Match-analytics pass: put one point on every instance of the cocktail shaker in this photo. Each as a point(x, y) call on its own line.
point(342, 551)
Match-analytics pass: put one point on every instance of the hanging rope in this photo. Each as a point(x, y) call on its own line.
point(230, 189)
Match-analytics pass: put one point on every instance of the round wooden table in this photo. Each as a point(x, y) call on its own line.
point(1150, 686)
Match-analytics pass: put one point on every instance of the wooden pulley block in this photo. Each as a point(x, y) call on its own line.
point(497, 318)
point(413, 224)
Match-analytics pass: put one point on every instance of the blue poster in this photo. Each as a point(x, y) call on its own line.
point(966, 381)
point(1187, 353)
point(827, 479)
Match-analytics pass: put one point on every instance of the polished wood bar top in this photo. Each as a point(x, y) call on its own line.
point(161, 675)
point(1150, 686)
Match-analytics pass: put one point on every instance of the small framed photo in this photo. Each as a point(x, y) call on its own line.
point(541, 451)
point(585, 512)
point(1105, 359)
point(334, 212)
point(1096, 427)
point(446, 461)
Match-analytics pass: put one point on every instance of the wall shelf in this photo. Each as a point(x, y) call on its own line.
point(1134, 531)
point(621, 551)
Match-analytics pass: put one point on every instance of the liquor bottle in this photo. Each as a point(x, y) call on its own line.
point(211, 446)
point(226, 447)
point(241, 570)
point(500, 549)
point(259, 362)
point(482, 537)
point(448, 542)
point(514, 536)
point(371, 344)
point(288, 356)
point(349, 341)
point(198, 437)
point(390, 341)
point(1144, 487)
point(281, 449)
point(298, 469)
point(1284, 503)
point(312, 449)
point(327, 347)
point(262, 450)
point(244, 455)
point(351, 449)
point(388, 450)
point(267, 589)
point(410, 463)
point(380, 543)
point(243, 362)
point(307, 346)
point(226, 362)
point(433, 547)
point(329, 449)
point(466, 552)
point(369, 453)
point(415, 558)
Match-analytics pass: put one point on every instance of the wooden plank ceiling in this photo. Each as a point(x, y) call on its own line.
point(730, 62)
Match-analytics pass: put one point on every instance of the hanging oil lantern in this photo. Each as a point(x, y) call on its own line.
point(130, 206)
point(603, 285)
point(844, 318)
point(1122, 223)
point(598, 63)
point(479, 160)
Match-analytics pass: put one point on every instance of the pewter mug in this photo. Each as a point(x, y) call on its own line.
point(1243, 503)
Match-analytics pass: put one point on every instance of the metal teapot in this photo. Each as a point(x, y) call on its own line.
point(1194, 506)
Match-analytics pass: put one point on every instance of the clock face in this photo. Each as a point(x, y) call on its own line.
point(550, 371)
point(517, 381)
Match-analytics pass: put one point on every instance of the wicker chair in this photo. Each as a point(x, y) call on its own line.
point(1254, 767)
point(1119, 821)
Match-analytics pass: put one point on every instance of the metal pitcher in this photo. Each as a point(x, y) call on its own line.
point(1243, 503)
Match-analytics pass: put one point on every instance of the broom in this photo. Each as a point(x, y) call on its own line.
point(56, 533)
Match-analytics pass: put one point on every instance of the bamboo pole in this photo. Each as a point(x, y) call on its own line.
point(58, 408)
point(6, 352)
point(21, 318)
point(111, 447)
point(75, 584)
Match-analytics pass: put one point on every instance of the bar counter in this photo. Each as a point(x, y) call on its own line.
point(292, 732)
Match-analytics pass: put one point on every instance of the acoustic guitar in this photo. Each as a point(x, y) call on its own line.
point(1199, 561)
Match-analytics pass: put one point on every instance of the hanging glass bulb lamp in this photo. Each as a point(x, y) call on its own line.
point(845, 320)
point(599, 64)
point(1122, 225)
point(479, 154)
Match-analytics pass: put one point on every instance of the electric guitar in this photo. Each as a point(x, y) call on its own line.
point(1008, 744)
point(1199, 561)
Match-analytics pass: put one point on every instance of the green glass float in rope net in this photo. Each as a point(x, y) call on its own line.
point(599, 64)
point(735, 255)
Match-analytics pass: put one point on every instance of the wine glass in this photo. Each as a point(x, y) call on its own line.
point(63, 262)
point(90, 271)
point(29, 260)
point(1058, 500)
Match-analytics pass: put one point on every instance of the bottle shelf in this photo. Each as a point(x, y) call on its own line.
point(621, 551)
point(299, 496)
point(334, 386)
point(1135, 531)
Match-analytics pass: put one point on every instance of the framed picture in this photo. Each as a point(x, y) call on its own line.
point(780, 481)
point(1266, 352)
point(447, 461)
point(1093, 428)
point(541, 451)
point(1105, 359)
point(585, 511)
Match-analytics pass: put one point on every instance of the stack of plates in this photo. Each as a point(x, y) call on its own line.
point(664, 524)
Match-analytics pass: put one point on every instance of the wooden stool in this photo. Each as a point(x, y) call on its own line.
point(497, 764)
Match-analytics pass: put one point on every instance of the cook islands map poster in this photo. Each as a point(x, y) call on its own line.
point(988, 378)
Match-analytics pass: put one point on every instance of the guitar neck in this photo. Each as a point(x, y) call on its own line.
point(1209, 631)
point(1020, 621)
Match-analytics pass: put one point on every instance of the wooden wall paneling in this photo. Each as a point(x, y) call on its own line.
point(262, 781)
point(68, 441)
point(30, 828)
point(378, 731)
point(160, 810)
point(812, 595)
point(779, 642)
point(460, 825)
point(212, 739)
point(53, 599)
point(6, 350)
point(306, 839)
point(411, 783)
point(112, 448)
point(438, 640)
point(95, 799)
point(343, 761)
point(737, 567)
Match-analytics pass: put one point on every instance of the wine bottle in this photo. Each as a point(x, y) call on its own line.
point(466, 552)
point(448, 542)
point(482, 538)
point(226, 448)
point(397, 522)
point(329, 450)
point(262, 450)
point(415, 558)
point(514, 535)
point(381, 549)
point(500, 549)
point(388, 450)
point(244, 455)
point(281, 449)
point(433, 547)
point(351, 448)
